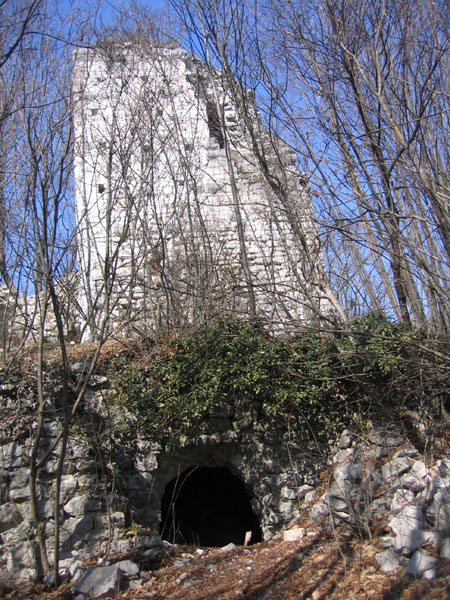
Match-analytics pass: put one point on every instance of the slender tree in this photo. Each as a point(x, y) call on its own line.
point(360, 92)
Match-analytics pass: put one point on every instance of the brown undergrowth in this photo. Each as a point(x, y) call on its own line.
point(322, 566)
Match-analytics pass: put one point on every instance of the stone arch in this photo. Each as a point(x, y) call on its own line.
point(208, 471)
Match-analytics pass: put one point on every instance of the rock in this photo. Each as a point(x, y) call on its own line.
point(142, 542)
point(152, 554)
point(80, 367)
point(98, 582)
point(303, 490)
point(445, 548)
point(422, 564)
point(69, 485)
point(75, 529)
point(430, 538)
point(440, 483)
point(146, 463)
point(419, 469)
point(98, 381)
point(350, 471)
point(51, 428)
point(45, 509)
point(228, 548)
point(73, 567)
point(346, 440)
point(16, 535)
point(385, 439)
point(287, 510)
point(318, 512)
point(401, 499)
point(293, 535)
point(395, 467)
point(80, 505)
point(409, 481)
point(14, 455)
point(378, 507)
point(387, 541)
point(128, 568)
point(342, 456)
point(335, 503)
point(288, 493)
point(411, 451)
point(10, 516)
point(407, 525)
point(130, 585)
point(19, 493)
point(309, 498)
point(23, 575)
point(388, 560)
point(441, 504)
point(444, 467)
point(116, 518)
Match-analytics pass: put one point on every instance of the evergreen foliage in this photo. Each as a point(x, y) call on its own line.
point(375, 367)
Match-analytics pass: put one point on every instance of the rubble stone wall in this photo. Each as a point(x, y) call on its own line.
point(113, 483)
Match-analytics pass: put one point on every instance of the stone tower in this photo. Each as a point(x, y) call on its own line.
point(186, 208)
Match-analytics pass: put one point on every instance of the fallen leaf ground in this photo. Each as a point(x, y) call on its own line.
point(321, 566)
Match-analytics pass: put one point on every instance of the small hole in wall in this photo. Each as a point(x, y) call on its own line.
point(208, 506)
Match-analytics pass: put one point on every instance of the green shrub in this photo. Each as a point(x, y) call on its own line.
point(326, 380)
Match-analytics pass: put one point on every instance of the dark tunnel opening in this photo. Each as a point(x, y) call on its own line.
point(207, 506)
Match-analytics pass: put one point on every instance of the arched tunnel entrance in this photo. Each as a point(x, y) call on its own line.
point(207, 506)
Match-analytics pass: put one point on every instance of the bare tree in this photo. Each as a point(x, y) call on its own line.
point(360, 91)
point(17, 22)
point(223, 34)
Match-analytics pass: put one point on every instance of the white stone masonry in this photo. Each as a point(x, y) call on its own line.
point(179, 218)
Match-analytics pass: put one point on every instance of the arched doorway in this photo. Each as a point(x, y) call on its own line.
point(207, 506)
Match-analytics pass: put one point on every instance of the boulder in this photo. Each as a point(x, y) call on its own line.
point(98, 582)
point(128, 568)
point(422, 564)
point(444, 467)
point(395, 467)
point(407, 525)
point(350, 471)
point(441, 511)
point(293, 535)
point(388, 560)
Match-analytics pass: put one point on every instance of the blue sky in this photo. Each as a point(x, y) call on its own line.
point(108, 10)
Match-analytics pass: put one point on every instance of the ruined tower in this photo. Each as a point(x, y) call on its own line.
point(186, 208)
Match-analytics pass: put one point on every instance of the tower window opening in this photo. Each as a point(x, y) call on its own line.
point(214, 125)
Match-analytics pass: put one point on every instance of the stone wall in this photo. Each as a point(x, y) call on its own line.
point(184, 211)
point(115, 478)
point(113, 483)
